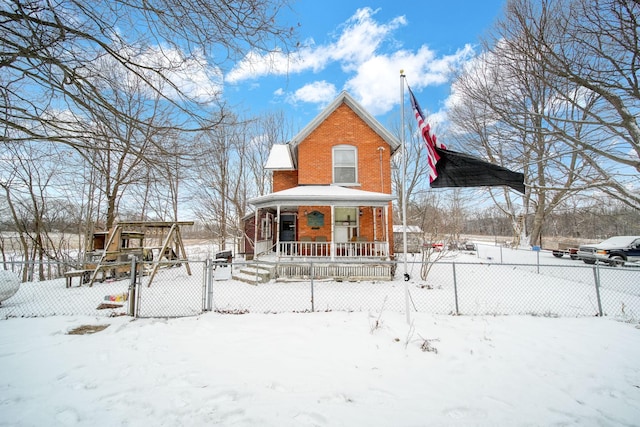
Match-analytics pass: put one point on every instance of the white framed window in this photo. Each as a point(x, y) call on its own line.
point(265, 227)
point(345, 164)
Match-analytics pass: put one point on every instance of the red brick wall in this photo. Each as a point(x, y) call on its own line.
point(283, 180)
point(344, 126)
point(305, 231)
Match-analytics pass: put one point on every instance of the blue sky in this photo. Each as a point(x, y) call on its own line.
point(360, 47)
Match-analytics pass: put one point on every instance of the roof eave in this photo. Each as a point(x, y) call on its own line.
point(351, 198)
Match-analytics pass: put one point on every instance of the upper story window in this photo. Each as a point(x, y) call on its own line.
point(345, 164)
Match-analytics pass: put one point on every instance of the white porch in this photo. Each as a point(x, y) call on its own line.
point(337, 229)
point(338, 242)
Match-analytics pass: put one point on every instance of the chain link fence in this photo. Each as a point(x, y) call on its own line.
point(483, 286)
point(451, 288)
point(175, 291)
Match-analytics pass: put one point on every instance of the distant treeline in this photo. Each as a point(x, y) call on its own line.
point(581, 223)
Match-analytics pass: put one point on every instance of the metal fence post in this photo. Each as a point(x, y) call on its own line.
point(132, 289)
point(455, 288)
point(596, 276)
point(312, 296)
point(210, 272)
point(206, 284)
point(538, 261)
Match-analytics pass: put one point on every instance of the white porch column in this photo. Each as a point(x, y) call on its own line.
point(374, 211)
point(333, 233)
point(386, 229)
point(255, 233)
point(278, 231)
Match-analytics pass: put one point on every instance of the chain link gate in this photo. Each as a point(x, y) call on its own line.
point(172, 294)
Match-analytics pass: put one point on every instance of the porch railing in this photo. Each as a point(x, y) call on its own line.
point(342, 249)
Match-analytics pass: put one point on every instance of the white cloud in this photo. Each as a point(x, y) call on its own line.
point(192, 76)
point(165, 69)
point(373, 75)
point(360, 38)
point(371, 83)
point(317, 92)
point(254, 65)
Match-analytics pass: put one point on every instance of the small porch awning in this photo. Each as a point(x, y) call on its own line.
point(314, 195)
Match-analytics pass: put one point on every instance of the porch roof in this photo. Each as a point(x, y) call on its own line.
point(315, 195)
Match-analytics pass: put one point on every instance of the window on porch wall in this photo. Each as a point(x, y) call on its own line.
point(346, 223)
point(345, 161)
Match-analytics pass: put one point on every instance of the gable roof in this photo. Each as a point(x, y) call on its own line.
point(345, 98)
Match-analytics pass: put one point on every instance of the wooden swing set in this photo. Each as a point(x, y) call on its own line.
point(111, 251)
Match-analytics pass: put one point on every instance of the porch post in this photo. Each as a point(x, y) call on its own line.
point(386, 229)
point(332, 244)
point(374, 210)
point(255, 233)
point(278, 231)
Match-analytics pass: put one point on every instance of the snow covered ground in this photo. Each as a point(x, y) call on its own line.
point(334, 368)
point(320, 369)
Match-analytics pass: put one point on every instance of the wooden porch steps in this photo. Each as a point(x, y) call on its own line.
point(254, 273)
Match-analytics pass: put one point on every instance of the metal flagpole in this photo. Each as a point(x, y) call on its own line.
point(404, 198)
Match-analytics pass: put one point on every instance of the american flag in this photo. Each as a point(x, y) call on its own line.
point(430, 140)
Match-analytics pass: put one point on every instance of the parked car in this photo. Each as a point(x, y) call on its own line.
point(614, 251)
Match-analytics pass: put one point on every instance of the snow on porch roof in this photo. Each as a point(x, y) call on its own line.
point(313, 195)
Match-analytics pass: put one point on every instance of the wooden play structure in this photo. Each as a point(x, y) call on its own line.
point(157, 243)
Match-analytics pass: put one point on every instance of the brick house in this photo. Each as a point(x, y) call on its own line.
point(331, 198)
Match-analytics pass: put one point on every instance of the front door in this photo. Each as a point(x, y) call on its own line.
point(287, 228)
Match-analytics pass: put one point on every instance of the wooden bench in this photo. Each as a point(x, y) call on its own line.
point(69, 275)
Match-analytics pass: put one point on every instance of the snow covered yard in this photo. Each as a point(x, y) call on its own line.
point(362, 366)
point(320, 369)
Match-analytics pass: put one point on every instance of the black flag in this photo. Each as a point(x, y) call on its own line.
point(461, 170)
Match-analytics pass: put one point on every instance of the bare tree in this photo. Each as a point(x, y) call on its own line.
point(263, 132)
point(516, 110)
point(587, 53)
point(440, 216)
point(231, 169)
point(52, 54)
point(220, 182)
point(28, 177)
point(120, 147)
point(119, 81)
